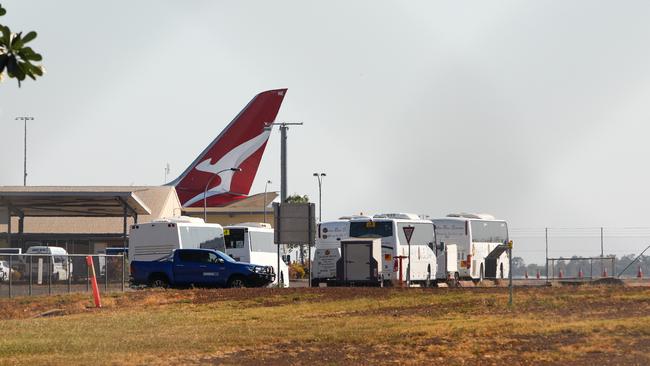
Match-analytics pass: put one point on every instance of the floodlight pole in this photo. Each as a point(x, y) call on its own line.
point(266, 186)
point(205, 192)
point(283, 154)
point(283, 169)
point(25, 119)
point(320, 176)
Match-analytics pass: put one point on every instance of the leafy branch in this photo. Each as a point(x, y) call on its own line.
point(15, 56)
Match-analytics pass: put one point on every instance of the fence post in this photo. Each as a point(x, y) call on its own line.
point(87, 277)
point(31, 268)
point(50, 267)
point(546, 240)
point(69, 272)
point(105, 273)
point(10, 279)
point(123, 270)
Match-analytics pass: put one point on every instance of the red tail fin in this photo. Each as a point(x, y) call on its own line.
point(240, 145)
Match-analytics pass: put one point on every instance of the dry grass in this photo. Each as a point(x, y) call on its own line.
point(598, 325)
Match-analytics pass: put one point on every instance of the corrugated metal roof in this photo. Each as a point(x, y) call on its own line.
point(159, 201)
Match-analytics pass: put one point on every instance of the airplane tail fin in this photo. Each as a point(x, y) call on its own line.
point(240, 145)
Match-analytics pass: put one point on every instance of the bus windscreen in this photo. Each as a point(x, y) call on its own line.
point(371, 229)
point(489, 231)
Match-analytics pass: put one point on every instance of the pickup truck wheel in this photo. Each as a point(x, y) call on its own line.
point(159, 281)
point(236, 282)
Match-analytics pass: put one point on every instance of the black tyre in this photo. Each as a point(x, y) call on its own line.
point(159, 281)
point(237, 281)
point(315, 282)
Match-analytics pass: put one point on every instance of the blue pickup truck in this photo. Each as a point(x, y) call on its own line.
point(199, 267)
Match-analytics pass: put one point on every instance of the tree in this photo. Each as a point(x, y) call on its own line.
point(296, 198)
point(15, 56)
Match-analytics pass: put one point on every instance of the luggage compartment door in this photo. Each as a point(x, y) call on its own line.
point(357, 262)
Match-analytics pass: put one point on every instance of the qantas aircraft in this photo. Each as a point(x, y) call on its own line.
point(240, 145)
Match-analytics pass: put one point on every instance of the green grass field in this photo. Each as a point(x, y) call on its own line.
point(585, 325)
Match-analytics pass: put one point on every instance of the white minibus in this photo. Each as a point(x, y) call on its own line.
point(252, 242)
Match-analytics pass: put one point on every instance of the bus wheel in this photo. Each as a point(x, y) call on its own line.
point(315, 282)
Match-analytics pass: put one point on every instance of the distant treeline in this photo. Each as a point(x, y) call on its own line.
point(570, 267)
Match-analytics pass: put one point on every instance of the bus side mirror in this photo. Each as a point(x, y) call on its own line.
point(441, 247)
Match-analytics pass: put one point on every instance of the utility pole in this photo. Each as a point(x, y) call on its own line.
point(283, 170)
point(320, 176)
point(546, 263)
point(25, 119)
point(266, 186)
point(283, 154)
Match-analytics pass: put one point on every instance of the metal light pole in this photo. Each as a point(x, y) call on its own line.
point(205, 191)
point(320, 176)
point(265, 203)
point(25, 119)
point(283, 154)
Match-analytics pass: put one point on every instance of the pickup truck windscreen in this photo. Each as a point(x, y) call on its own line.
point(200, 256)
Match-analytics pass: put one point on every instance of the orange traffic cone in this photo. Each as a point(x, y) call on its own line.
point(561, 274)
point(605, 272)
point(639, 273)
point(580, 274)
point(538, 275)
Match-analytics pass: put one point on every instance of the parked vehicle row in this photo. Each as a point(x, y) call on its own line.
point(160, 241)
point(414, 250)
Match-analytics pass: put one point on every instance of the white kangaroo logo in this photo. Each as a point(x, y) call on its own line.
point(232, 159)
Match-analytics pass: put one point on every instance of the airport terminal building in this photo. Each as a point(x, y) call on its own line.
point(89, 219)
point(83, 220)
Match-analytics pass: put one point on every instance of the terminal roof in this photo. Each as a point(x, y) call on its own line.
point(72, 201)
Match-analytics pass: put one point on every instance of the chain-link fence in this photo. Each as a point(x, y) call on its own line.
point(586, 251)
point(47, 274)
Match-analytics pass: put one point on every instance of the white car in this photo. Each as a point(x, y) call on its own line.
point(4, 271)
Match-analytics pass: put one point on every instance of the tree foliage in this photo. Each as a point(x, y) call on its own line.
point(15, 56)
point(296, 198)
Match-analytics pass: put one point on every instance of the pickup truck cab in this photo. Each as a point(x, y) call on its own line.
point(200, 267)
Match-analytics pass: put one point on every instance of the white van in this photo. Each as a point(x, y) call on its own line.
point(156, 239)
point(252, 242)
point(54, 257)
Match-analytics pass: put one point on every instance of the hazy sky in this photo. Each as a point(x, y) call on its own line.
point(534, 111)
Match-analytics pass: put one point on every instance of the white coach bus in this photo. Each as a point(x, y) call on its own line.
point(252, 242)
point(480, 245)
point(156, 239)
point(388, 227)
